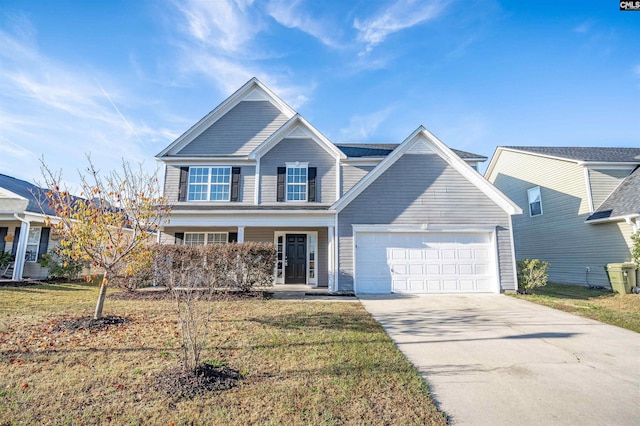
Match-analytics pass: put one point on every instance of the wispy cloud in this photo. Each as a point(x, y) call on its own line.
point(60, 111)
point(584, 27)
point(361, 127)
point(398, 16)
point(291, 14)
point(216, 40)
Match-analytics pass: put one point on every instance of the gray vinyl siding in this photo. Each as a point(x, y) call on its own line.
point(352, 174)
point(604, 181)
point(302, 150)
point(264, 235)
point(559, 235)
point(423, 189)
point(247, 184)
point(238, 132)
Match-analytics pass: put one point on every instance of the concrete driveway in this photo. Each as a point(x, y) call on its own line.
point(496, 360)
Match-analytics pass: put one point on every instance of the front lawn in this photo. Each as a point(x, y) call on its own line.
point(302, 362)
point(622, 310)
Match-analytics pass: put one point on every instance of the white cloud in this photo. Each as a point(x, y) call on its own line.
point(289, 13)
point(400, 15)
point(584, 27)
point(60, 111)
point(362, 127)
point(225, 24)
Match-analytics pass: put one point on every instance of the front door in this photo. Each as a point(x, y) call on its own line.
point(296, 259)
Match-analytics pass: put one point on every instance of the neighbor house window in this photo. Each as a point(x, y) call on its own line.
point(199, 238)
point(209, 183)
point(33, 244)
point(535, 202)
point(297, 182)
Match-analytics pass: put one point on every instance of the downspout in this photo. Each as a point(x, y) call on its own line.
point(21, 251)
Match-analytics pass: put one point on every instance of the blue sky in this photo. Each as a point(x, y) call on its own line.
point(124, 78)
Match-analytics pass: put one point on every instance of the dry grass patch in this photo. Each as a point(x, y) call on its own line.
point(622, 310)
point(302, 363)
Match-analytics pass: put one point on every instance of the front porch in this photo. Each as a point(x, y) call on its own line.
point(303, 251)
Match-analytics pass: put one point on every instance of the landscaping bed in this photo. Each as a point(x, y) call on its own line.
point(269, 362)
point(622, 310)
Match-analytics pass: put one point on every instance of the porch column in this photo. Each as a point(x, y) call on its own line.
point(332, 257)
point(21, 251)
point(241, 234)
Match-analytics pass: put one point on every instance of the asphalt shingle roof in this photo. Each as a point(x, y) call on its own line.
point(575, 153)
point(384, 149)
point(29, 191)
point(624, 200)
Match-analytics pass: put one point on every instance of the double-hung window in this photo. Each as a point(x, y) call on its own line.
point(209, 183)
point(33, 243)
point(297, 182)
point(200, 238)
point(535, 202)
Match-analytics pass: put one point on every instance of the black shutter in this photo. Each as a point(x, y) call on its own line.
point(184, 180)
point(44, 242)
point(14, 246)
point(3, 233)
point(233, 237)
point(235, 184)
point(179, 238)
point(282, 173)
point(311, 183)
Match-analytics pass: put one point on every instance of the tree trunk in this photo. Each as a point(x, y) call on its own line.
point(103, 294)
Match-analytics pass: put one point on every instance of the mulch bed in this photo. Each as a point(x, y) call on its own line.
point(166, 295)
point(88, 323)
point(182, 384)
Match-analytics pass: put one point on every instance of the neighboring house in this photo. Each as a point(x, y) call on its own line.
point(370, 218)
point(581, 206)
point(22, 227)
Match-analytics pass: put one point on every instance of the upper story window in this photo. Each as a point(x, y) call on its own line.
point(535, 202)
point(209, 183)
point(297, 182)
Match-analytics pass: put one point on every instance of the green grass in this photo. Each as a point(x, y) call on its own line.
point(622, 310)
point(303, 363)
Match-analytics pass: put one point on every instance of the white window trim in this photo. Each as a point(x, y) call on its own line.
point(37, 244)
point(296, 165)
point(310, 281)
point(529, 192)
point(209, 183)
point(206, 236)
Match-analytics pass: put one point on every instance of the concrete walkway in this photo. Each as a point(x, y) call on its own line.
point(306, 293)
point(496, 360)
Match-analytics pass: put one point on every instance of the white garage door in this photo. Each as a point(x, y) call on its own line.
point(424, 262)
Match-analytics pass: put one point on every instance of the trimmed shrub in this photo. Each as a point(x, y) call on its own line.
point(532, 273)
point(61, 266)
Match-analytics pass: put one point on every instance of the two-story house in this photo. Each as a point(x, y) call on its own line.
point(581, 206)
point(370, 218)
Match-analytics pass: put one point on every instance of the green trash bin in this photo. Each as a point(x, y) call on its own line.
point(622, 276)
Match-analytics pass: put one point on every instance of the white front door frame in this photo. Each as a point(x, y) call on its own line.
point(312, 247)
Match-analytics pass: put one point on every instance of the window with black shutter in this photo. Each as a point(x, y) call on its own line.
point(184, 181)
point(311, 184)
point(179, 237)
point(235, 184)
point(282, 172)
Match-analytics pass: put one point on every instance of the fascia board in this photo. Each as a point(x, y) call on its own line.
point(219, 111)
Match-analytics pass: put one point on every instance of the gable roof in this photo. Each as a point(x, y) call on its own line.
point(356, 150)
point(430, 144)
point(623, 201)
point(29, 192)
point(584, 154)
point(254, 89)
point(576, 154)
point(296, 127)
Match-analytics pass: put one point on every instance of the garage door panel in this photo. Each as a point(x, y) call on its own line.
point(427, 262)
